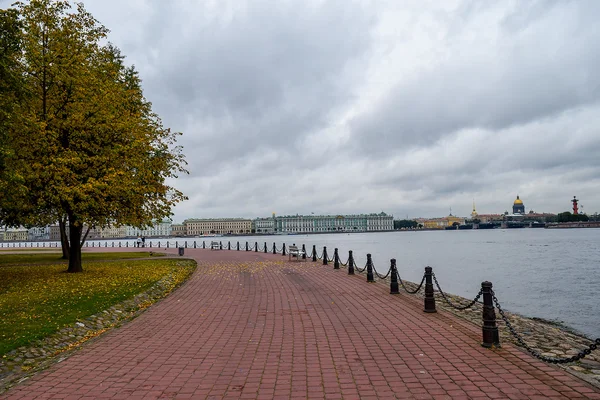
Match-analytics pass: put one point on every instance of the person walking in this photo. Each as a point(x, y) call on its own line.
point(139, 241)
point(143, 241)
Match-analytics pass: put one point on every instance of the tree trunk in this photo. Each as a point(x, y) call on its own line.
point(64, 240)
point(75, 230)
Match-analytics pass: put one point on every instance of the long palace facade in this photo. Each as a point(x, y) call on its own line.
point(285, 224)
point(334, 223)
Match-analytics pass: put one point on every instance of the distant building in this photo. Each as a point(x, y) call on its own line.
point(518, 206)
point(264, 225)
point(539, 217)
point(93, 233)
point(441, 223)
point(159, 229)
point(16, 234)
point(54, 232)
point(207, 226)
point(110, 232)
point(488, 218)
point(178, 230)
point(39, 233)
point(334, 223)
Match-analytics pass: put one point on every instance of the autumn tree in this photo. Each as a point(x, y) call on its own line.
point(11, 87)
point(90, 152)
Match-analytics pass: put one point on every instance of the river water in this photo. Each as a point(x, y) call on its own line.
point(548, 273)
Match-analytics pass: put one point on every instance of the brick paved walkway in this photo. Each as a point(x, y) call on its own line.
point(250, 325)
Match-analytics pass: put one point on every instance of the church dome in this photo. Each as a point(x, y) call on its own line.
point(518, 201)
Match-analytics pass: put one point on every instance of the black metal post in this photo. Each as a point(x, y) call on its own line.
point(350, 263)
point(246, 246)
point(265, 247)
point(491, 337)
point(429, 300)
point(203, 244)
point(176, 244)
point(314, 253)
point(394, 289)
point(274, 248)
point(325, 255)
point(283, 252)
point(336, 259)
point(228, 245)
point(194, 244)
point(256, 247)
point(186, 244)
point(370, 277)
point(238, 245)
point(303, 252)
point(220, 245)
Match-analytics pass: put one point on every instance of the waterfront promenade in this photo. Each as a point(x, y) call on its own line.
point(253, 325)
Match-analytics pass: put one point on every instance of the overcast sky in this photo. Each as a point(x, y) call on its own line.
point(341, 106)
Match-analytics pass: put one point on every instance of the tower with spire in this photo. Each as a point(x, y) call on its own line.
point(474, 212)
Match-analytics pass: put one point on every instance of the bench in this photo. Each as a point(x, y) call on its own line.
point(215, 245)
point(293, 251)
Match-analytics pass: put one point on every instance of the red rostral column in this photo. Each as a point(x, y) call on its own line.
point(575, 201)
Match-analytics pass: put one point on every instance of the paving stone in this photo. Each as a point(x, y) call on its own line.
point(251, 325)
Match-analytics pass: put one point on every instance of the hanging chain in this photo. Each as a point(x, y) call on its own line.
point(452, 304)
point(536, 353)
point(359, 269)
point(378, 274)
point(405, 288)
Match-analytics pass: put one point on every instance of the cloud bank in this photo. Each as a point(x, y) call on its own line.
point(362, 106)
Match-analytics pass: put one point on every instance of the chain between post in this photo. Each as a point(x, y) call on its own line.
point(378, 274)
point(475, 300)
point(406, 289)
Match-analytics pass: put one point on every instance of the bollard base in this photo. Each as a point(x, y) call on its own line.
point(491, 346)
point(491, 337)
point(429, 306)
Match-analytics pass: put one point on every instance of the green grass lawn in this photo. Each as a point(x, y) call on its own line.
point(37, 300)
point(7, 259)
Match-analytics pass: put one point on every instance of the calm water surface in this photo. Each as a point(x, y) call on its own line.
point(551, 274)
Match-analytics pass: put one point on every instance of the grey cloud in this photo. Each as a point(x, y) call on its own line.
point(335, 96)
point(270, 72)
point(545, 68)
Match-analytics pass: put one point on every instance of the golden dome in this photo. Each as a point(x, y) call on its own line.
point(518, 201)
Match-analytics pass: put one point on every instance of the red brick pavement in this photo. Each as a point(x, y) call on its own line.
point(254, 326)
